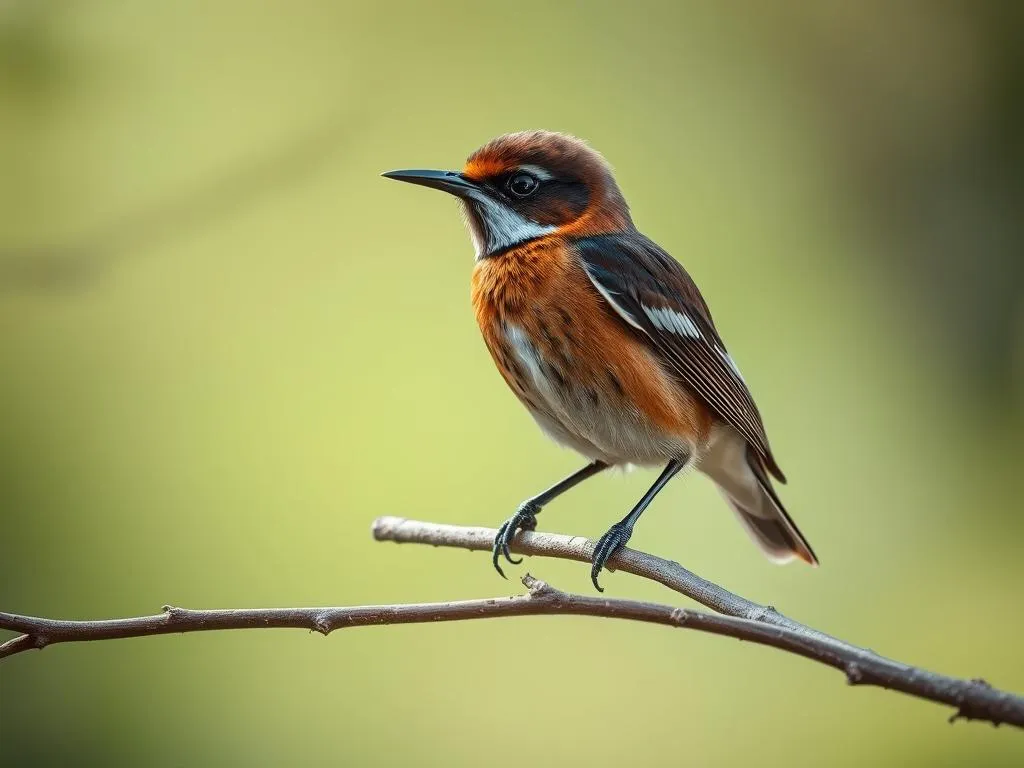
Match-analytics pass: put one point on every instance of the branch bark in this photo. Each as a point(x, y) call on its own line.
point(737, 618)
point(535, 543)
point(973, 699)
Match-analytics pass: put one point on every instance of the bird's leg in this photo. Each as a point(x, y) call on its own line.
point(619, 534)
point(525, 517)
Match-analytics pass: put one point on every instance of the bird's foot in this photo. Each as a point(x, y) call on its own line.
point(525, 519)
point(608, 545)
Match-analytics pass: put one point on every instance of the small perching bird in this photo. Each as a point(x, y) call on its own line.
point(605, 338)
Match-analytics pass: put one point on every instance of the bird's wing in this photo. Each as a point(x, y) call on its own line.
point(652, 293)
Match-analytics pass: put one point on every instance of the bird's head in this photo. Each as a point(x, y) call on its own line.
point(523, 186)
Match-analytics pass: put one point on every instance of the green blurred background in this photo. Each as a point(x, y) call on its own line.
point(226, 345)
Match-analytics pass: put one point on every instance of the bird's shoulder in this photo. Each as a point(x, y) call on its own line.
point(644, 268)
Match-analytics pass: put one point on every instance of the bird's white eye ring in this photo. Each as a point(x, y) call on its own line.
point(522, 185)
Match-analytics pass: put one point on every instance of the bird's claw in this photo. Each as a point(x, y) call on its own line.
point(608, 545)
point(525, 519)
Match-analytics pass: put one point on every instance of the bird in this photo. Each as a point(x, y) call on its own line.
point(605, 338)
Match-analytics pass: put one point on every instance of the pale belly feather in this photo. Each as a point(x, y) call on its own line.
point(596, 421)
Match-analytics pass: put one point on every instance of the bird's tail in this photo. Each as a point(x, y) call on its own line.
point(744, 483)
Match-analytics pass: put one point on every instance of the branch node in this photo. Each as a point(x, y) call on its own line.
point(173, 614)
point(322, 623)
point(854, 674)
point(965, 710)
point(539, 589)
point(680, 616)
point(766, 614)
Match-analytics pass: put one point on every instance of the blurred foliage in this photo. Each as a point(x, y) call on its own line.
point(226, 345)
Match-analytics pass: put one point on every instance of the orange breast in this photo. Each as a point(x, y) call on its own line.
point(539, 298)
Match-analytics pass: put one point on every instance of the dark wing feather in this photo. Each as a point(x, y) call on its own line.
point(654, 294)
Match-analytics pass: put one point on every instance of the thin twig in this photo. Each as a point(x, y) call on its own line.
point(536, 543)
point(542, 598)
point(973, 699)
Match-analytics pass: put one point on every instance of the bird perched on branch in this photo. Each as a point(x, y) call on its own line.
point(605, 338)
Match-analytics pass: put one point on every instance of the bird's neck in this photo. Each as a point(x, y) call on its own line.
point(511, 282)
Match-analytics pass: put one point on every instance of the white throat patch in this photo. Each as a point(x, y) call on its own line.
point(502, 226)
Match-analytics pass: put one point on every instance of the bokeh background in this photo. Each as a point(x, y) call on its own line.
point(226, 345)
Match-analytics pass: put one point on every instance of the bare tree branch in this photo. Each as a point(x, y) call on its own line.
point(973, 699)
point(536, 543)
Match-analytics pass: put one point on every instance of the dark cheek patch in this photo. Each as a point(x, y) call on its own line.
point(556, 203)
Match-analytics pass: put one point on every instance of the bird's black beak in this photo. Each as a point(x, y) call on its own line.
point(452, 182)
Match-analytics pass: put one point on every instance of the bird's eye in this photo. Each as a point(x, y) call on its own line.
point(522, 185)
